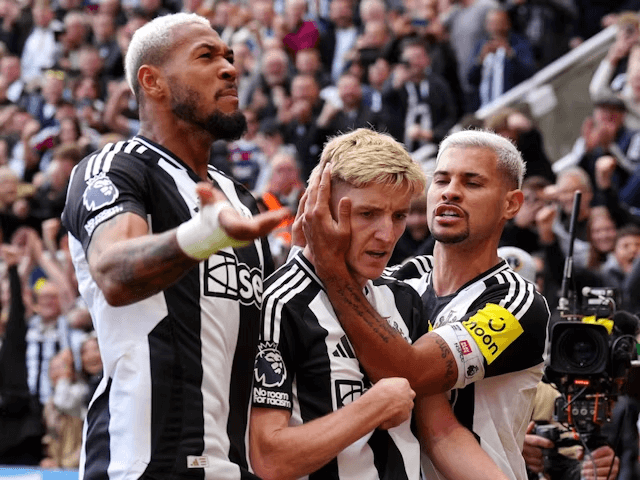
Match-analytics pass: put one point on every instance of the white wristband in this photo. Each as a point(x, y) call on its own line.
point(202, 236)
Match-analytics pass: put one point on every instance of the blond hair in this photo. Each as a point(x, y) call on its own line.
point(364, 156)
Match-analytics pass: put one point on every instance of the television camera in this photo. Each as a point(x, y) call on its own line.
point(591, 350)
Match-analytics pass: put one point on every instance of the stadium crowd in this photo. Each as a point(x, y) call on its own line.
point(306, 70)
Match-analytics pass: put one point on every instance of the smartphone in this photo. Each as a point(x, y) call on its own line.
point(419, 22)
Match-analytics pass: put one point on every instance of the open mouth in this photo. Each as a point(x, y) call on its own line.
point(449, 211)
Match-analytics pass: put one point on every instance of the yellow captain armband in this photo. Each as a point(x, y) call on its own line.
point(605, 322)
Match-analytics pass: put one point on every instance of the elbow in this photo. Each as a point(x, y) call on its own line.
point(267, 467)
point(115, 294)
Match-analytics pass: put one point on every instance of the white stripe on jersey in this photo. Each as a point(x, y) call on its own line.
point(98, 160)
point(109, 158)
point(277, 296)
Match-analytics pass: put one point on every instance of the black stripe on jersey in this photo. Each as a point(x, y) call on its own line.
point(97, 451)
point(386, 456)
point(464, 406)
point(347, 347)
point(168, 402)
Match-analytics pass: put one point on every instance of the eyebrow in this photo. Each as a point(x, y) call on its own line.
point(467, 175)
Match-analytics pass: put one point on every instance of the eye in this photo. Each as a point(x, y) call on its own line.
point(205, 55)
point(401, 216)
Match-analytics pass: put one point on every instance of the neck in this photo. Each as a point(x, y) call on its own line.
point(457, 264)
point(188, 144)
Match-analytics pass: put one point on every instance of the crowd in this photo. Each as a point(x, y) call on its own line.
point(306, 71)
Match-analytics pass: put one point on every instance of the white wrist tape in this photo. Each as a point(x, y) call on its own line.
point(202, 236)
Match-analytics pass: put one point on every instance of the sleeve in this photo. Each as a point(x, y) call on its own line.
point(499, 335)
point(117, 187)
point(274, 368)
point(599, 86)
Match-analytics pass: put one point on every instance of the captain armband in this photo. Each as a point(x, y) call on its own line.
point(202, 236)
point(465, 351)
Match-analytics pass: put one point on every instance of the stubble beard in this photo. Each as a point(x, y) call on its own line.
point(222, 126)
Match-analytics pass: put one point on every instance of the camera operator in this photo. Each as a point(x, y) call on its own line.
point(565, 468)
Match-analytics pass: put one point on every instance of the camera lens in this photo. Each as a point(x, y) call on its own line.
point(581, 348)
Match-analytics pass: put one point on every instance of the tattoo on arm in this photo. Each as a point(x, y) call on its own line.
point(365, 311)
point(445, 353)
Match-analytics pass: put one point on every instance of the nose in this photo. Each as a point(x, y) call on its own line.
point(452, 191)
point(385, 230)
point(228, 72)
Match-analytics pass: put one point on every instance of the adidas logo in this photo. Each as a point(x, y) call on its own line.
point(344, 349)
point(197, 462)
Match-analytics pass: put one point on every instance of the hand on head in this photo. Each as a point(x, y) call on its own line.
point(327, 239)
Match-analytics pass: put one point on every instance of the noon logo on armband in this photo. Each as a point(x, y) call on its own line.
point(99, 193)
point(493, 328)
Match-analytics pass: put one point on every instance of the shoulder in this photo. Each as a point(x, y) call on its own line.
point(294, 283)
point(415, 267)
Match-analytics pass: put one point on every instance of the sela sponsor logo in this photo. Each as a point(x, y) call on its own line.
point(348, 391)
point(99, 193)
point(451, 317)
point(225, 277)
point(493, 328)
point(91, 225)
point(466, 348)
point(271, 398)
point(269, 370)
point(197, 462)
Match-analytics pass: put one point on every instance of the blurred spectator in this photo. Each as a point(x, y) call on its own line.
point(10, 70)
point(308, 62)
point(40, 48)
point(611, 75)
point(21, 426)
point(592, 14)
point(248, 163)
point(48, 333)
point(378, 74)
point(500, 61)
point(338, 37)
point(466, 28)
point(416, 239)
point(15, 25)
point(372, 44)
point(42, 105)
point(553, 220)
point(517, 127)
point(119, 115)
point(299, 115)
point(91, 365)
point(48, 199)
point(245, 63)
point(545, 24)
point(352, 113)
point(621, 270)
point(272, 85)
point(601, 237)
point(521, 231)
point(104, 38)
point(604, 133)
point(12, 213)
point(299, 33)
point(74, 35)
point(420, 104)
point(284, 189)
point(63, 414)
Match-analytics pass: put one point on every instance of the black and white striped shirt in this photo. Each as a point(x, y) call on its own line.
point(306, 365)
point(496, 326)
point(178, 365)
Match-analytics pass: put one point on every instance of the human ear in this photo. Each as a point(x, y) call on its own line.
point(513, 202)
point(151, 81)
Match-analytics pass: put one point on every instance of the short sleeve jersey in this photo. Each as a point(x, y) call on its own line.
point(177, 365)
point(496, 327)
point(306, 365)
